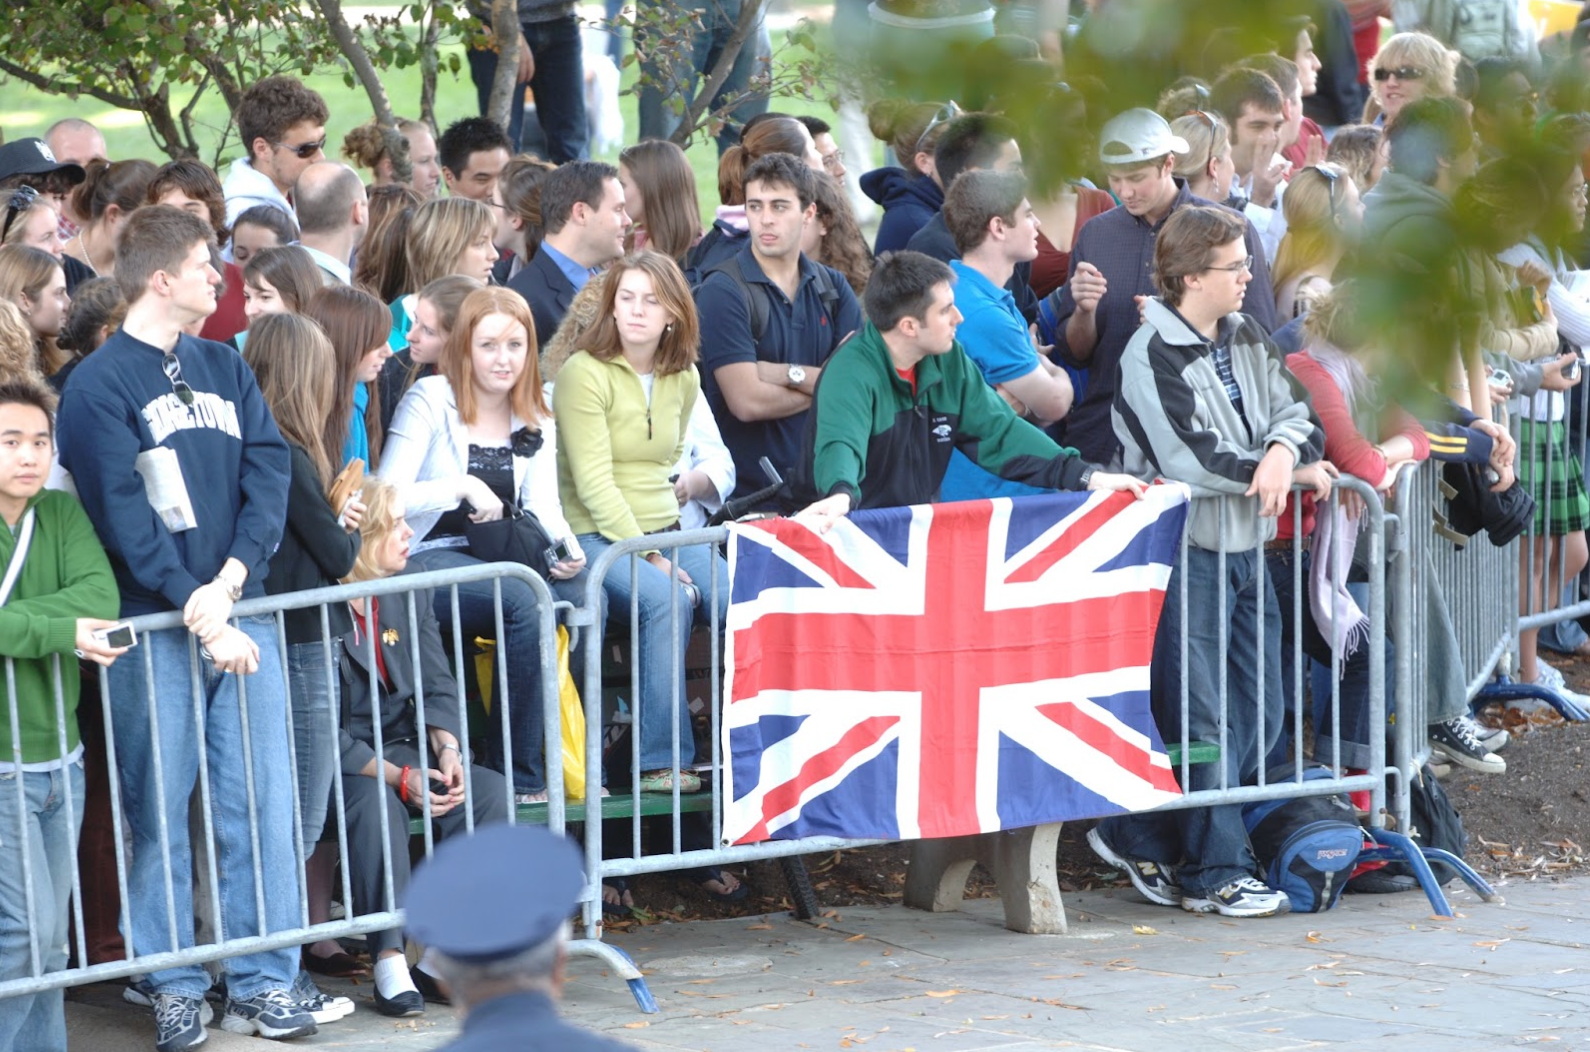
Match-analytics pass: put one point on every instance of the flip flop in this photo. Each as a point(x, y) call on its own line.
point(617, 909)
point(708, 874)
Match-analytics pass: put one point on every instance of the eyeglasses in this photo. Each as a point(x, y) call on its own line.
point(833, 160)
point(947, 112)
point(1245, 263)
point(1582, 192)
point(305, 151)
point(1400, 72)
point(173, 370)
point(1330, 176)
point(21, 200)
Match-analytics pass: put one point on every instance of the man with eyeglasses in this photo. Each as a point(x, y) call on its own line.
point(1203, 400)
point(282, 125)
point(184, 475)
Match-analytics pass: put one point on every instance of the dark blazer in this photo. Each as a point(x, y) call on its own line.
point(398, 711)
point(314, 552)
point(526, 1022)
point(548, 292)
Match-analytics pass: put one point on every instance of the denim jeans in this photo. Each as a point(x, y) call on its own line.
point(164, 727)
point(315, 689)
point(521, 650)
point(1211, 843)
point(718, 17)
point(558, 84)
point(658, 655)
point(37, 1022)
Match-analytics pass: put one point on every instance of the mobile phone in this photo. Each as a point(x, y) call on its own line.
point(1498, 377)
point(117, 636)
point(560, 552)
point(1571, 370)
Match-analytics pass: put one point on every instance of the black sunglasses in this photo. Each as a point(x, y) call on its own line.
point(173, 370)
point(1400, 72)
point(304, 151)
point(22, 199)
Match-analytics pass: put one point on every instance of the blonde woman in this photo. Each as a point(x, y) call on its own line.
point(1206, 166)
point(34, 282)
point(1408, 67)
point(452, 235)
point(1323, 217)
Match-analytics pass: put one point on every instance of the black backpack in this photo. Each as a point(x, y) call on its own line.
point(756, 302)
point(1436, 823)
point(1307, 846)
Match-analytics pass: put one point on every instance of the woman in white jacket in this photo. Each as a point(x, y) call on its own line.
point(463, 445)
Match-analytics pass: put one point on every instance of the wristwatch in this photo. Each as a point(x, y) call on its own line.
point(1085, 478)
point(234, 592)
point(797, 375)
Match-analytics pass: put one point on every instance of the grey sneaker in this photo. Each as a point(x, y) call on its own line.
point(179, 1025)
point(1458, 740)
point(274, 1014)
point(326, 1008)
point(1152, 880)
point(1243, 897)
point(140, 991)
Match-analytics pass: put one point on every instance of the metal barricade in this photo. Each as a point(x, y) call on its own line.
point(257, 826)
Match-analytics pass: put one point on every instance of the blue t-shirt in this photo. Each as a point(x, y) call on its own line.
point(358, 441)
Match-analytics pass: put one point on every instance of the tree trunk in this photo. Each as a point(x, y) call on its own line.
point(353, 50)
point(505, 29)
point(430, 37)
point(751, 12)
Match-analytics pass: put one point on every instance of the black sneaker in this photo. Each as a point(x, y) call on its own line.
point(275, 1014)
point(179, 1023)
point(1243, 897)
point(1457, 739)
point(1153, 881)
point(326, 1008)
point(402, 1005)
point(1494, 739)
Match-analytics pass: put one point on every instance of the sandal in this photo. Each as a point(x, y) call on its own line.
point(713, 875)
point(617, 908)
point(662, 781)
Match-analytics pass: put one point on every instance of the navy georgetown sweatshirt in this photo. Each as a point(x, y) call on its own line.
point(234, 461)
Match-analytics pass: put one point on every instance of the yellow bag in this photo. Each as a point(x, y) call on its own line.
point(572, 721)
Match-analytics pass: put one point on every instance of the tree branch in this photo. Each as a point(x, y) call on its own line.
point(363, 68)
point(43, 83)
point(750, 14)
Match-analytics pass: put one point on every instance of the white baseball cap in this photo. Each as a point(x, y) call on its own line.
point(1136, 136)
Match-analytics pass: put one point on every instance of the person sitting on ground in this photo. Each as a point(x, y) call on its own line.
point(399, 767)
point(908, 191)
point(62, 598)
point(450, 235)
point(259, 228)
point(868, 443)
point(1203, 400)
point(584, 222)
point(282, 126)
point(1324, 217)
point(465, 446)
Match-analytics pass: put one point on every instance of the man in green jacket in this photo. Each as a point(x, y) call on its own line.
point(901, 394)
point(49, 607)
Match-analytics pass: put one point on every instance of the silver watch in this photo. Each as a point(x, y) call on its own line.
point(797, 375)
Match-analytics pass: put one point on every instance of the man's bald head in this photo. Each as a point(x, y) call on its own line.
point(75, 141)
point(324, 197)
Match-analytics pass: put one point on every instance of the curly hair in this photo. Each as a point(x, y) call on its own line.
point(195, 180)
point(97, 305)
point(843, 247)
point(272, 105)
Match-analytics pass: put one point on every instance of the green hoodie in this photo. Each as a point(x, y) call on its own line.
point(871, 436)
point(66, 576)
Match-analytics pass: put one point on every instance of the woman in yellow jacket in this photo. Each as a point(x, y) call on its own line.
point(622, 405)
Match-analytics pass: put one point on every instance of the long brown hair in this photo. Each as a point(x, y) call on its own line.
point(668, 195)
point(519, 186)
point(677, 350)
point(290, 270)
point(294, 363)
point(843, 247)
point(25, 271)
point(382, 263)
point(774, 135)
point(356, 323)
point(458, 364)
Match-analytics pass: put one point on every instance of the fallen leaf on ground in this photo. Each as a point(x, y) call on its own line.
point(942, 993)
point(1144, 929)
point(857, 938)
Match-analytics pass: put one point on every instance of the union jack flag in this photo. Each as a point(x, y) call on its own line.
point(947, 669)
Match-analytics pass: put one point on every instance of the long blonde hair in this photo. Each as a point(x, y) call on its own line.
point(1207, 138)
point(440, 232)
point(25, 271)
point(1313, 238)
point(1421, 51)
point(17, 358)
point(295, 365)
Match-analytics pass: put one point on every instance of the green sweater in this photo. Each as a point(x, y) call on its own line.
point(871, 436)
point(66, 576)
point(616, 451)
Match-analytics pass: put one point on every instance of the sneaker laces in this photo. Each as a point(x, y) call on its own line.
point(1466, 731)
point(1252, 884)
point(172, 1012)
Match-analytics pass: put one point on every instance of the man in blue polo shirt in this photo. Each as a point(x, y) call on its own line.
point(769, 324)
point(992, 222)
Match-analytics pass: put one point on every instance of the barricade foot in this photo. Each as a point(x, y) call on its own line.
point(1395, 847)
point(621, 963)
point(1504, 689)
point(1023, 864)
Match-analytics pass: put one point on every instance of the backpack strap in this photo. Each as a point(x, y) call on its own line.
point(755, 302)
point(19, 555)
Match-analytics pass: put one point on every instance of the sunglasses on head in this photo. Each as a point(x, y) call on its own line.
point(1400, 72)
point(947, 112)
point(1330, 176)
point(21, 200)
point(304, 151)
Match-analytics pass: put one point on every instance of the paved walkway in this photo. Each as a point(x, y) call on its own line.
point(1129, 976)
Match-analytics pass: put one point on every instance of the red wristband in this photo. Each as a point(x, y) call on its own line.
point(403, 785)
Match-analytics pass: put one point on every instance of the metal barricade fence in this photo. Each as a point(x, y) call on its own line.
point(152, 833)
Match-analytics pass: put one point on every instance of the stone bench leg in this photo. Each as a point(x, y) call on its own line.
point(1023, 864)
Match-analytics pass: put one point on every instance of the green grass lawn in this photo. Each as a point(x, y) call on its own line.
point(26, 111)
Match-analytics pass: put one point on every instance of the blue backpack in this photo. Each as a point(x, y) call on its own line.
point(1307, 846)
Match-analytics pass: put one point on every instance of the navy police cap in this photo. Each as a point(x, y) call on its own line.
point(494, 894)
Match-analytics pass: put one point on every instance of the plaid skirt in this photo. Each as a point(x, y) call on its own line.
point(1559, 484)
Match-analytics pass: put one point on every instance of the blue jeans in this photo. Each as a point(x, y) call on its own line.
point(315, 689)
point(558, 84)
point(178, 742)
point(657, 118)
point(1211, 843)
point(521, 650)
point(37, 1021)
point(659, 656)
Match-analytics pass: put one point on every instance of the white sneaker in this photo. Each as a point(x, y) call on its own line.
point(1243, 897)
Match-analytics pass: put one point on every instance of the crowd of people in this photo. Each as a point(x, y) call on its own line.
point(1298, 263)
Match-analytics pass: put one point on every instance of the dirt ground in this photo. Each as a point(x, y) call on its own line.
point(1531, 823)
